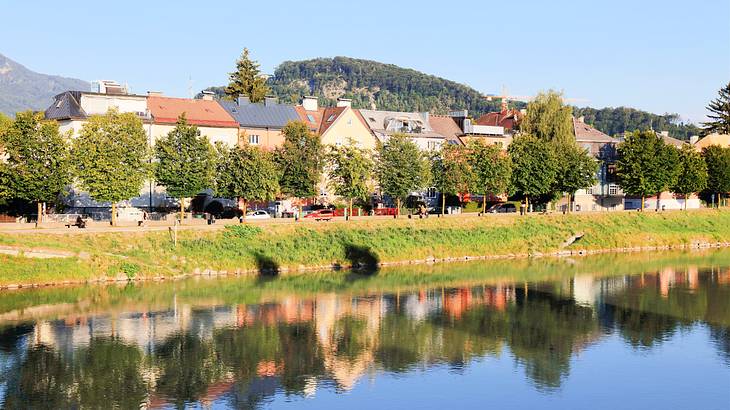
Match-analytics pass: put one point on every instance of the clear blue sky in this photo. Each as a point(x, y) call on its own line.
point(661, 56)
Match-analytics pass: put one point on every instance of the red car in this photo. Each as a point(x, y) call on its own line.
point(321, 215)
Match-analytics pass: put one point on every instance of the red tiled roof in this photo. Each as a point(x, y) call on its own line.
point(586, 133)
point(166, 110)
point(329, 116)
point(506, 119)
point(316, 117)
point(323, 117)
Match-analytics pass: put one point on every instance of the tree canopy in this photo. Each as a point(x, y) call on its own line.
point(492, 168)
point(646, 165)
point(111, 157)
point(301, 160)
point(576, 168)
point(452, 171)
point(246, 172)
point(349, 171)
point(718, 168)
point(534, 166)
point(719, 113)
point(692, 175)
point(619, 120)
point(401, 167)
point(547, 118)
point(247, 80)
point(185, 161)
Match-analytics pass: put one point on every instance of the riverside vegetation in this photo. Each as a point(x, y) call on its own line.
point(365, 243)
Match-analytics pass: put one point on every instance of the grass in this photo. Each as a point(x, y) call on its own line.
point(144, 254)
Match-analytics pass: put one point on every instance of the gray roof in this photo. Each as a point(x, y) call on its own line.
point(260, 115)
point(66, 106)
point(382, 121)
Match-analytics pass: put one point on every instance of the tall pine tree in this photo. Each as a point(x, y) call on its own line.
point(247, 80)
point(720, 109)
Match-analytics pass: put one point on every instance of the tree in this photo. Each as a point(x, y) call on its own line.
point(37, 166)
point(452, 172)
point(548, 119)
point(186, 162)
point(247, 80)
point(534, 166)
point(248, 173)
point(401, 168)
point(720, 109)
point(349, 172)
point(576, 169)
point(717, 159)
point(301, 161)
point(492, 170)
point(646, 165)
point(111, 157)
point(692, 176)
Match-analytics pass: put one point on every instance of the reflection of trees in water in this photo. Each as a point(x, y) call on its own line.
point(542, 328)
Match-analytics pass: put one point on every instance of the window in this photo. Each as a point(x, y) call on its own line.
point(59, 103)
point(612, 190)
point(310, 118)
point(611, 173)
point(431, 192)
point(253, 139)
point(589, 191)
point(331, 118)
point(431, 145)
point(349, 121)
point(371, 119)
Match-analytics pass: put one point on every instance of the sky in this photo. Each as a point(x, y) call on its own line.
point(660, 56)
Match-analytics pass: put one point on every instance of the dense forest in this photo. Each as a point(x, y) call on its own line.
point(375, 85)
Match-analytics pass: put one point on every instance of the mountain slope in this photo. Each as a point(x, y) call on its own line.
point(22, 89)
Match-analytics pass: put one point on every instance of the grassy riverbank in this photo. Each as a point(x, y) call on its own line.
point(292, 246)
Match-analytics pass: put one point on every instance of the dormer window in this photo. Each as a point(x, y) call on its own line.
point(331, 118)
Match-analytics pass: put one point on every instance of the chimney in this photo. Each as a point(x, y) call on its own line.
point(154, 93)
point(208, 95)
point(243, 100)
point(309, 103)
point(582, 119)
point(693, 139)
point(344, 102)
point(270, 100)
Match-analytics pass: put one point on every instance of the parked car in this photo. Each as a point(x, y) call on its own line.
point(502, 208)
point(321, 215)
point(260, 214)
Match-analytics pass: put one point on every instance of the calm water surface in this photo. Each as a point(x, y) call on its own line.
point(614, 332)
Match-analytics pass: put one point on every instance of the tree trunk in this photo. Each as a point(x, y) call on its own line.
point(443, 204)
point(686, 196)
point(182, 210)
point(642, 203)
point(527, 204)
point(39, 220)
point(114, 214)
point(349, 212)
point(658, 196)
point(245, 210)
point(484, 204)
point(397, 207)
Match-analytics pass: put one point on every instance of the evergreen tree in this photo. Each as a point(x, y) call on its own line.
point(576, 170)
point(720, 113)
point(717, 159)
point(534, 166)
point(301, 161)
point(401, 168)
point(248, 173)
point(692, 175)
point(247, 80)
point(37, 166)
point(186, 162)
point(349, 172)
point(111, 157)
point(646, 165)
point(492, 170)
point(452, 172)
point(547, 118)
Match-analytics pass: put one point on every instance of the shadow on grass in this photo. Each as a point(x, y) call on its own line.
point(266, 265)
point(362, 259)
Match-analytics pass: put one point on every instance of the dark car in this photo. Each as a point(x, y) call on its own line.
point(502, 208)
point(321, 215)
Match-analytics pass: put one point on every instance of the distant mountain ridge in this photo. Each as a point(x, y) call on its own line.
point(22, 89)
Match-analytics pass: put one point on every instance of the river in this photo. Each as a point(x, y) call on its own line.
point(604, 332)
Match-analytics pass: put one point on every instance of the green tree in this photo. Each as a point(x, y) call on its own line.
point(37, 166)
point(718, 169)
point(452, 172)
point(548, 119)
point(401, 168)
point(111, 157)
point(576, 169)
point(247, 80)
point(186, 162)
point(349, 172)
point(720, 109)
point(492, 169)
point(646, 165)
point(692, 175)
point(534, 166)
point(301, 161)
point(248, 173)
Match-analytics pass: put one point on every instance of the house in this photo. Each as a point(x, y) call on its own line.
point(446, 126)
point(415, 125)
point(507, 119)
point(208, 115)
point(722, 140)
point(338, 125)
point(260, 123)
point(606, 193)
point(488, 134)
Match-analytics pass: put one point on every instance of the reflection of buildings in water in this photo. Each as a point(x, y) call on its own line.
point(585, 289)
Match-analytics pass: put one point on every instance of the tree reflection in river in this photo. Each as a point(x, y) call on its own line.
point(244, 354)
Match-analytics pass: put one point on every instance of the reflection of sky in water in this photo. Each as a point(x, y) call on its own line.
point(656, 340)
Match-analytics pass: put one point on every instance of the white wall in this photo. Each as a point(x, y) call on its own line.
point(100, 104)
point(228, 136)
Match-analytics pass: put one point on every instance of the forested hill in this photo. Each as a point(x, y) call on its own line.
point(614, 121)
point(374, 85)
